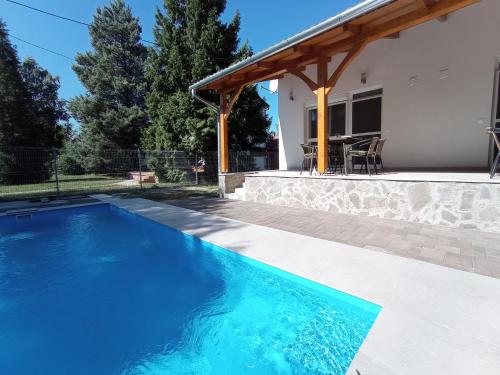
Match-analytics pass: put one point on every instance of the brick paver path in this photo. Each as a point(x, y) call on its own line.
point(467, 250)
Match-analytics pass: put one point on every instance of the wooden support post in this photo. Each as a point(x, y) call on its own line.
point(225, 111)
point(322, 95)
point(223, 135)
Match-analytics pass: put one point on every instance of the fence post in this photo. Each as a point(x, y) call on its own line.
point(196, 166)
point(140, 166)
point(54, 157)
point(237, 162)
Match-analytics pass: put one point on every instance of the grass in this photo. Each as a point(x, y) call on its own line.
point(85, 184)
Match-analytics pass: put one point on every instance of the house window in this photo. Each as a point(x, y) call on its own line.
point(367, 113)
point(313, 123)
point(337, 119)
point(361, 116)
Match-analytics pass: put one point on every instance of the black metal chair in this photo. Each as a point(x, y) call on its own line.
point(310, 157)
point(335, 159)
point(494, 134)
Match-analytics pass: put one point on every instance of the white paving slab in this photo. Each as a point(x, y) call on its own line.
point(434, 320)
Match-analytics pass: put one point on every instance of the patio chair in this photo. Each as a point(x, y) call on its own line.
point(366, 155)
point(335, 159)
point(310, 158)
point(378, 155)
point(494, 134)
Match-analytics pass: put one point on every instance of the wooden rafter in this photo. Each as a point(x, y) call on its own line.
point(416, 18)
point(302, 49)
point(353, 53)
point(344, 38)
point(351, 29)
point(308, 81)
point(266, 64)
point(234, 97)
point(278, 70)
point(393, 36)
point(429, 3)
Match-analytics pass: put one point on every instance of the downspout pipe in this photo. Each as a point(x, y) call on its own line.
point(216, 109)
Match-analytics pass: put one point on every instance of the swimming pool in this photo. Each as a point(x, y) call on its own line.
point(98, 290)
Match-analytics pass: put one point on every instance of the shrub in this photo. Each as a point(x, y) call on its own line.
point(163, 165)
point(69, 163)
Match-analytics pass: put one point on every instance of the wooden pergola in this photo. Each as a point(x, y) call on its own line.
point(349, 37)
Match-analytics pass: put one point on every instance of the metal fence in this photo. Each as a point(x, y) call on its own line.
point(38, 172)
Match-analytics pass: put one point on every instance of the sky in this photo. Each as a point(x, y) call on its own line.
point(263, 23)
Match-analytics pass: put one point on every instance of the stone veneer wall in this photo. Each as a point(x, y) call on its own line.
point(453, 204)
point(229, 182)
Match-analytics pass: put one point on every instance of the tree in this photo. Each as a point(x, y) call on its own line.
point(112, 111)
point(30, 116)
point(193, 42)
point(16, 114)
point(51, 119)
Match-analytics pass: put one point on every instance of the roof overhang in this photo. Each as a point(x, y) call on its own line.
point(367, 22)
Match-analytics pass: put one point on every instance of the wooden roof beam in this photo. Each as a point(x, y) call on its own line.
point(394, 26)
point(443, 18)
point(252, 80)
point(266, 64)
point(308, 81)
point(304, 50)
point(429, 3)
point(415, 18)
point(393, 36)
point(367, 35)
point(234, 97)
point(353, 53)
point(351, 29)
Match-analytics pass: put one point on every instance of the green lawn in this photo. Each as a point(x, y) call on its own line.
point(83, 184)
point(95, 183)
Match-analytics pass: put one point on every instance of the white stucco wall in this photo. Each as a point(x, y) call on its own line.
point(435, 123)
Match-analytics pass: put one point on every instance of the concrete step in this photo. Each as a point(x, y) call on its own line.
point(239, 194)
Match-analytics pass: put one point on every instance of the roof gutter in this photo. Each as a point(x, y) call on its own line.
point(344, 17)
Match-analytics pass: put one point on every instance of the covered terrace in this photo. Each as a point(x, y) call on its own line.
point(346, 34)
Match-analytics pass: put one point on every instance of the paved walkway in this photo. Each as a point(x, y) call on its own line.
point(467, 250)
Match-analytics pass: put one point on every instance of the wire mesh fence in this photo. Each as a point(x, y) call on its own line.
point(37, 172)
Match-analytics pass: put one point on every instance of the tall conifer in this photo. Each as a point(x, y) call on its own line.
point(193, 42)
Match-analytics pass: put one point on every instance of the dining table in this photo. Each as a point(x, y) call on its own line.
point(341, 142)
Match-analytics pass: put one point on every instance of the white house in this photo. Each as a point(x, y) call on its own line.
point(430, 92)
point(421, 74)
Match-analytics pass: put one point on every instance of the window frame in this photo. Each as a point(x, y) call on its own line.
point(348, 100)
point(330, 104)
point(368, 97)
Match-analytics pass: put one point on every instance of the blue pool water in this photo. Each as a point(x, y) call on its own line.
point(98, 290)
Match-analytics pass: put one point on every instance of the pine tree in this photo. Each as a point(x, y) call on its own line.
point(16, 114)
point(50, 126)
point(112, 111)
point(193, 42)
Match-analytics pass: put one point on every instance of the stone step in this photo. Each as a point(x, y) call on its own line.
point(239, 194)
